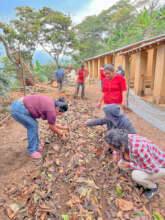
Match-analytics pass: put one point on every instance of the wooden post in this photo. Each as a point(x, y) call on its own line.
point(89, 70)
point(95, 69)
point(140, 69)
point(126, 65)
point(109, 59)
point(127, 69)
point(98, 67)
point(153, 67)
point(159, 84)
point(106, 59)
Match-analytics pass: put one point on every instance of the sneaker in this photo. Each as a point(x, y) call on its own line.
point(39, 149)
point(35, 155)
point(149, 193)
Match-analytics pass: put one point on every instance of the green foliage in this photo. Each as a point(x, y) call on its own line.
point(122, 24)
point(40, 73)
point(8, 76)
point(137, 214)
point(4, 85)
point(56, 35)
point(65, 217)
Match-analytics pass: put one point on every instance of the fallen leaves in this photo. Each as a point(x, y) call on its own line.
point(89, 182)
point(124, 205)
point(76, 180)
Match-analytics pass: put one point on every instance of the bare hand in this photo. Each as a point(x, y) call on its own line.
point(99, 105)
point(123, 164)
point(115, 157)
point(66, 128)
point(124, 104)
point(84, 124)
point(63, 137)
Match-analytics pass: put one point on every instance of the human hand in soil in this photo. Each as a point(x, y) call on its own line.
point(84, 124)
point(66, 128)
point(115, 158)
point(63, 137)
point(124, 164)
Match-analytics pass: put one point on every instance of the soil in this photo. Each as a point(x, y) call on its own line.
point(15, 164)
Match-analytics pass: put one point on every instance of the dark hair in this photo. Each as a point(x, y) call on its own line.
point(61, 104)
point(118, 138)
point(109, 67)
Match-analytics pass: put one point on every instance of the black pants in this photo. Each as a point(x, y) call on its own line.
point(60, 84)
point(82, 90)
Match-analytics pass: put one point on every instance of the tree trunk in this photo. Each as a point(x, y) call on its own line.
point(31, 63)
point(18, 69)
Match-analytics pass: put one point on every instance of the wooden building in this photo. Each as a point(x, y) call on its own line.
point(144, 65)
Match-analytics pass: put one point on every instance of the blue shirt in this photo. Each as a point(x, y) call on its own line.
point(59, 74)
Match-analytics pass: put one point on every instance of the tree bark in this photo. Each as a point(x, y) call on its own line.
point(10, 56)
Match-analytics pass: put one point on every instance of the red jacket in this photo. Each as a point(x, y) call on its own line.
point(113, 89)
point(81, 75)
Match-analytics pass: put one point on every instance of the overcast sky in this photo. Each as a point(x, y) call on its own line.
point(78, 9)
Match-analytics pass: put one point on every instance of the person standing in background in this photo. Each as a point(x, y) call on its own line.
point(82, 74)
point(102, 76)
point(60, 77)
point(120, 70)
point(114, 88)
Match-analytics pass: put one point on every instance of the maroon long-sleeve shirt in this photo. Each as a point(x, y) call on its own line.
point(40, 106)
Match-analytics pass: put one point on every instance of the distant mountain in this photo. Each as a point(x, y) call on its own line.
point(39, 55)
point(42, 57)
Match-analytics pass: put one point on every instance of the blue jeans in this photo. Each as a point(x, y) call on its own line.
point(20, 113)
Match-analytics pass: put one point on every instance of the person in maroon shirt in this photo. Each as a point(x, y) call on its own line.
point(82, 74)
point(114, 88)
point(102, 75)
point(29, 108)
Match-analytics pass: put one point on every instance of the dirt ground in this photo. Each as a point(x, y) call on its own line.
point(15, 164)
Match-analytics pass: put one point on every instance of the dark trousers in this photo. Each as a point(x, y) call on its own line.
point(82, 89)
point(60, 84)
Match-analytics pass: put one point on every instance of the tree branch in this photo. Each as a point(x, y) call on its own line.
point(7, 50)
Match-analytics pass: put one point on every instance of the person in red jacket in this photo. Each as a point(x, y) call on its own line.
point(114, 88)
point(102, 76)
point(82, 74)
